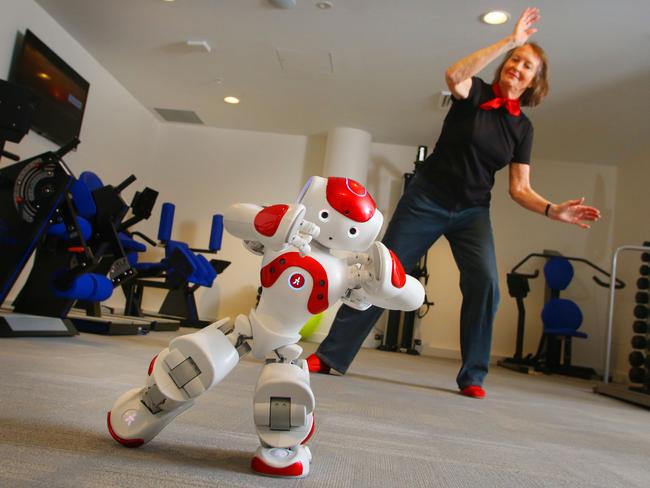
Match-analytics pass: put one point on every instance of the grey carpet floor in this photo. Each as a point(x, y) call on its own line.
point(393, 421)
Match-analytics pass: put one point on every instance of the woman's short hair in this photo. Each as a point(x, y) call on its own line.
point(535, 93)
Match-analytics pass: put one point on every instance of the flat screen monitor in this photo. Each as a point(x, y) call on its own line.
point(61, 91)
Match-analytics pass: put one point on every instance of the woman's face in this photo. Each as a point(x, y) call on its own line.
point(520, 69)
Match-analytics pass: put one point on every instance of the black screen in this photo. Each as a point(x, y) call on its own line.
point(62, 92)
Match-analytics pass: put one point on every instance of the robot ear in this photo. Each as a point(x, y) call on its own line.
point(311, 182)
point(301, 195)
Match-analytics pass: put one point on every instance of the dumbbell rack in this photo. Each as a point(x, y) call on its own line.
point(639, 375)
point(639, 359)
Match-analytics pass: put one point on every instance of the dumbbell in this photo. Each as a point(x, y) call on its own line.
point(642, 297)
point(643, 283)
point(636, 359)
point(645, 257)
point(639, 342)
point(641, 312)
point(640, 327)
point(637, 375)
point(644, 270)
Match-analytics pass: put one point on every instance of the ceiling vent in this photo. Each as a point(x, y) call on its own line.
point(305, 62)
point(184, 116)
point(444, 100)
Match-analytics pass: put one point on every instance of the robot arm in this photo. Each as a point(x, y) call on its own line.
point(384, 283)
point(271, 227)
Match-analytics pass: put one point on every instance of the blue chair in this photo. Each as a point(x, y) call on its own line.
point(184, 269)
point(561, 319)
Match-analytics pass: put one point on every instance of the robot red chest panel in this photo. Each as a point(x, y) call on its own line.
point(318, 297)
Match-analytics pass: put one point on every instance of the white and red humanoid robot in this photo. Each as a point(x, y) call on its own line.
point(301, 277)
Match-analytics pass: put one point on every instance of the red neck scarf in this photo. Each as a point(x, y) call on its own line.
point(510, 104)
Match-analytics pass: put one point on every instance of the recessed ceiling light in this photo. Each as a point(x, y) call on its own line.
point(325, 5)
point(496, 17)
point(232, 100)
point(283, 3)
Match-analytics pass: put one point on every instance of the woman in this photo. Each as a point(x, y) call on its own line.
point(484, 131)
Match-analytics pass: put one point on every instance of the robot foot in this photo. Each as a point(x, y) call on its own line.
point(132, 424)
point(281, 462)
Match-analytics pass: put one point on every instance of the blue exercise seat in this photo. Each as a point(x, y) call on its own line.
point(202, 274)
point(90, 287)
point(183, 269)
point(561, 317)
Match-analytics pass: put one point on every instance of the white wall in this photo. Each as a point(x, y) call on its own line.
point(118, 134)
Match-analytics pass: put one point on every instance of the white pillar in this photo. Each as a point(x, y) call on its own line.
point(347, 153)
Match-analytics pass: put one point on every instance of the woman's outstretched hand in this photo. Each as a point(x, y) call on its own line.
point(574, 212)
point(524, 26)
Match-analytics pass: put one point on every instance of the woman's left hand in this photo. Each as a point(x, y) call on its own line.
point(574, 212)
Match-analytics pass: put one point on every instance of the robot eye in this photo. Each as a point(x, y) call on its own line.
point(323, 215)
point(353, 232)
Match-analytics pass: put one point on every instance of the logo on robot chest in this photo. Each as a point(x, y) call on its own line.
point(296, 281)
point(270, 273)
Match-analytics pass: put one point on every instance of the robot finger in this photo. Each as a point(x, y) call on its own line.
point(310, 228)
point(301, 243)
point(304, 249)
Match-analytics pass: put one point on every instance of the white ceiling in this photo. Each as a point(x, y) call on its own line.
point(376, 65)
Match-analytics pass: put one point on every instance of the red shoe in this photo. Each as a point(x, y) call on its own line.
point(473, 391)
point(315, 365)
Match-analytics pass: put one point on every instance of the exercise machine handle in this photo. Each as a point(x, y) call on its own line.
point(125, 183)
point(148, 239)
point(527, 275)
point(66, 148)
point(619, 284)
point(7, 154)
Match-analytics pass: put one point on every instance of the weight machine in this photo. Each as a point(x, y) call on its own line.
point(400, 334)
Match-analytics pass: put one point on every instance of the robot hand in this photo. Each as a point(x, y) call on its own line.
point(302, 235)
point(270, 228)
point(386, 284)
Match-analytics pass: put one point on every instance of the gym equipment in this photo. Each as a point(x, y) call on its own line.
point(560, 317)
point(182, 271)
point(31, 192)
point(301, 278)
point(33, 195)
point(82, 259)
point(111, 242)
point(639, 392)
point(400, 334)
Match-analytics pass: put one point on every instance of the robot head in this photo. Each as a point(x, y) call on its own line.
point(346, 214)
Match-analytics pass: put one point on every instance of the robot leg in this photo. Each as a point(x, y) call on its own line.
point(284, 418)
point(189, 366)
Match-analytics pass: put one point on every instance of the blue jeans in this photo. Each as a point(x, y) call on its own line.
point(417, 224)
